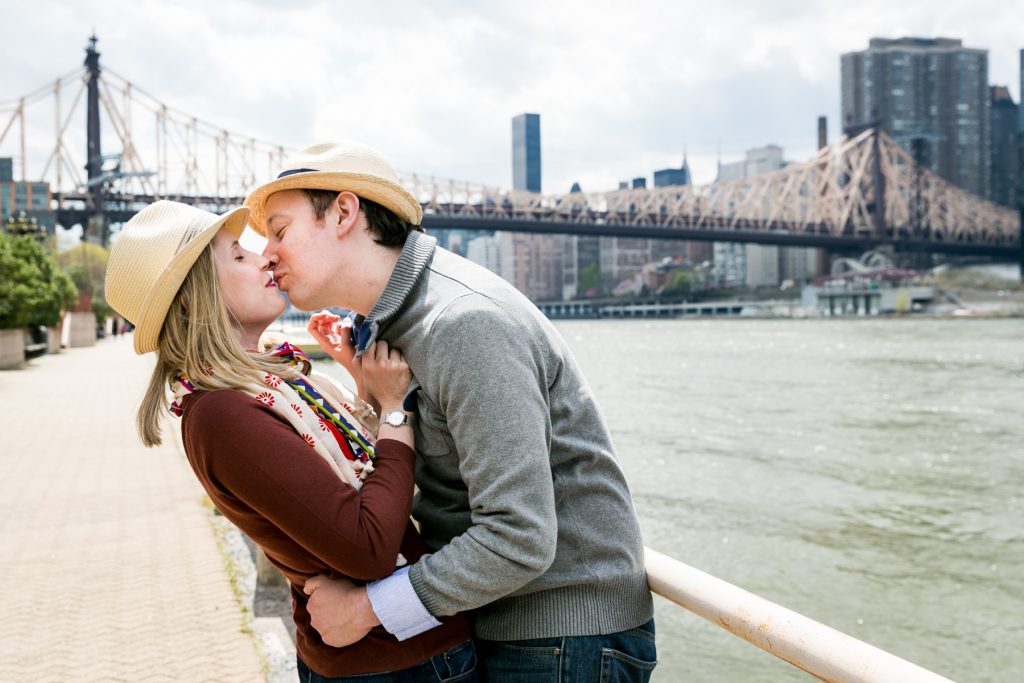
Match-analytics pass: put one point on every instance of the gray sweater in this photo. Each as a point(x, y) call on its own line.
point(520, 495)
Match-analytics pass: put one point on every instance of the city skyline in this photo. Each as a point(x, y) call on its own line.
point(621, 94)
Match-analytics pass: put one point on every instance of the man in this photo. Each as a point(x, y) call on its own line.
point(520, 496)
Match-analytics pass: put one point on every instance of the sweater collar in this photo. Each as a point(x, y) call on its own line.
point(416, 253)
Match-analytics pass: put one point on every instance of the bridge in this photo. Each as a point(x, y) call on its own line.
point(861, 193)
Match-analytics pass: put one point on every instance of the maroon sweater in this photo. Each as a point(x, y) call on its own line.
point(267, 480)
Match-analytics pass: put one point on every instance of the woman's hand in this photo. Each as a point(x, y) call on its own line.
point(386, 375)
point(334, 336)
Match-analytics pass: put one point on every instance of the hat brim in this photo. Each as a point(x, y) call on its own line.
point(388, 194)
point(149, 326)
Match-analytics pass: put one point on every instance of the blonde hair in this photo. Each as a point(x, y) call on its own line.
point(198, 339)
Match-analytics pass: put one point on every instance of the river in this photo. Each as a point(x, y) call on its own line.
point(866, 473)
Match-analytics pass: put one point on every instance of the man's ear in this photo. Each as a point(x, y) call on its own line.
point(347, 210)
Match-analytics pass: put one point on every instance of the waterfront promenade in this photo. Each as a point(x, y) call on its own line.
point(110, 567)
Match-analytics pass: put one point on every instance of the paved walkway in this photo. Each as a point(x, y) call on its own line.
point(109, 569)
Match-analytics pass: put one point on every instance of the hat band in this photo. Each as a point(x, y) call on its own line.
point(285, 174)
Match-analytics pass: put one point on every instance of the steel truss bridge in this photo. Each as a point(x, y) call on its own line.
point(860, 193)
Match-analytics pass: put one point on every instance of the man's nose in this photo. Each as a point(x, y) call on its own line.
point(270, 256)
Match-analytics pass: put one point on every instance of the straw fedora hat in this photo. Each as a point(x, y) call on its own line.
point(151, 257)
point(338, 166)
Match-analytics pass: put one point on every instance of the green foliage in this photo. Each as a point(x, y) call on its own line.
point(679, 282)
point(33, 290)
point(79, 277)
point(101, 309)
point(589, 280)
point(87, 265)
point(67, 292)
point(16, 278)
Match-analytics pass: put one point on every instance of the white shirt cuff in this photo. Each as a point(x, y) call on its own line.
point(398, 607)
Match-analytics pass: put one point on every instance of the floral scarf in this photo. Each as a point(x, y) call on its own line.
point(325, 419)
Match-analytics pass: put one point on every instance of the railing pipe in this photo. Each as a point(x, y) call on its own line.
point(819, 650)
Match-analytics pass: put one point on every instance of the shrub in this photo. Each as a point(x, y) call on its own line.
point(87, 265)
point(33, 290)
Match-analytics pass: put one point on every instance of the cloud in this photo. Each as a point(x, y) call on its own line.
point(621, 89)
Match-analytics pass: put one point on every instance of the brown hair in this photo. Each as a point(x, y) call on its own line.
point(387, 228)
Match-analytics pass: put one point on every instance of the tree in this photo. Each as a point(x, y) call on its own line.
point(87, 265)
point(589, 280)
point(33, 290)
point(679, 282)
point(16, 280)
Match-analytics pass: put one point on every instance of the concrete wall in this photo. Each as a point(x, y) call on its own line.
point(81, 329)
point(53, 334)
point(12, 348)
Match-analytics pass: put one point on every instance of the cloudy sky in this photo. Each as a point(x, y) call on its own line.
point(622, 88)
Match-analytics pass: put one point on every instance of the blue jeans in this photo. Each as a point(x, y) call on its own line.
point(626, 657)
point(457, 665)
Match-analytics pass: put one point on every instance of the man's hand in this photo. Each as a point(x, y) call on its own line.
point(339, 610)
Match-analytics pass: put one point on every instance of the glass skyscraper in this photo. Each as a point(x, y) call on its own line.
point(526, 152)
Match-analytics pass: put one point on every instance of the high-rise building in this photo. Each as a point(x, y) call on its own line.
point(486, 251)
point(691, 252)
point(532, 264)
point(1020, 92)
point(759, 265)
point(526, 152)
point(729, 264)
point(623, 257)
point(667, 177)
point(31, 197)
point(729, 259)
point(1005, 114)
point(763, 265)
point(931, 96)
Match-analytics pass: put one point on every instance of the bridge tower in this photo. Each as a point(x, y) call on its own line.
point(97, 222)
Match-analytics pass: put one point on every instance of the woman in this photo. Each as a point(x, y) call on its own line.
point(281, 455)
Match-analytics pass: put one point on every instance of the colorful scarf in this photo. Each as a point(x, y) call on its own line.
point(326, 420)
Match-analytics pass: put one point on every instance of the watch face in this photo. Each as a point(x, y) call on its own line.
point(394, 419)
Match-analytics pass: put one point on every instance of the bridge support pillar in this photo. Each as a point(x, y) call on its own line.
point(94, 152)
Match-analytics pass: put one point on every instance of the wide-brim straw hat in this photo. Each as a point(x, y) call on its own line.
point(338, 166)
point(151, 257)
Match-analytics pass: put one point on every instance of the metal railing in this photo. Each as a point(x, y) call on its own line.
point(820, 650)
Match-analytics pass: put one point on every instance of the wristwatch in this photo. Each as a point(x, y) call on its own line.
point(396, 418)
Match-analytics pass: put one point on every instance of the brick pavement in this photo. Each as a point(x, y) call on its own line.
point(109, 569)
